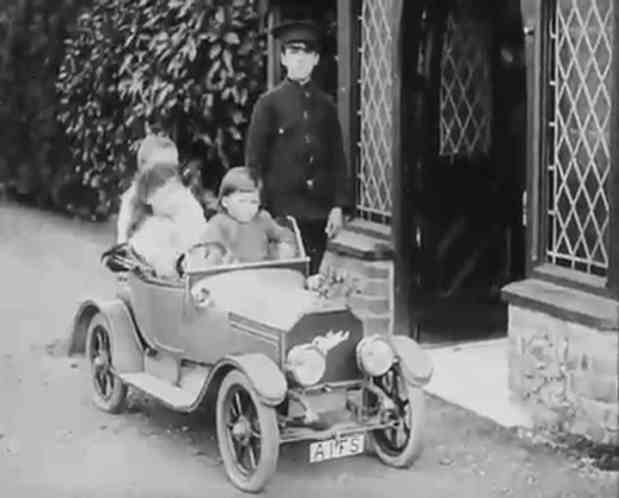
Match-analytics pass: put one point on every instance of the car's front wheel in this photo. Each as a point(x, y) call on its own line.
point(400, 444)
point(109, 392)
point(247, 434)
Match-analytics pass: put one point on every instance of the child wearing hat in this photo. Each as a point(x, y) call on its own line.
point(154, 149)
point(241, 225)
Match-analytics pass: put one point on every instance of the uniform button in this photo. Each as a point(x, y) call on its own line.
point(305, 115)
point(307, 94)
point(311, 160)
point(308, 139)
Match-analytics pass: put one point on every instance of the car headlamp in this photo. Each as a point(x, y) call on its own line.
point(306, 364)
point(374, 355)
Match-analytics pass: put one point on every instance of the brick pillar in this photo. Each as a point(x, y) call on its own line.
point(369, 267)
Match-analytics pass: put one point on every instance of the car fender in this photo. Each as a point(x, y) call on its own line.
point(126, 351)
point(415, 363)
point(263, 374)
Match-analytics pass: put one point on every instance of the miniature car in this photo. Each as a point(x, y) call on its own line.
point(275, 362)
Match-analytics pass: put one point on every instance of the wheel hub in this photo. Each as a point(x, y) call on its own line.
point(241, 430)
point(101, 360)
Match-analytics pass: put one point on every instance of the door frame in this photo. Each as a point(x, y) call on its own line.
point(418, 28)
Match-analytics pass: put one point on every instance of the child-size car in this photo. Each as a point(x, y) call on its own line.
point(276, 362)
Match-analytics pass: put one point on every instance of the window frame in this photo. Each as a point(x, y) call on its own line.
point(540, 65)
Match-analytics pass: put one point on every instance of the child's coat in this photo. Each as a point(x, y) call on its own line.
point(176, 224)
point(248, 242)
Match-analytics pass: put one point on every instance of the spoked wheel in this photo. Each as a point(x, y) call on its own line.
point(247, 434)
point(109, 392)
point(400, 444)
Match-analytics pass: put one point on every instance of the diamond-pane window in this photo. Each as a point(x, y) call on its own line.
point(466, 87)
point(375, 162)
point(578, 208)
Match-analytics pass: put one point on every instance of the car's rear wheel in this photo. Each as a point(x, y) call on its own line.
point(247, 434)
point(400, 444)
point(109, 392)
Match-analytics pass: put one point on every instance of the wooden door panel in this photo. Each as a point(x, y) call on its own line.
point(458, 205)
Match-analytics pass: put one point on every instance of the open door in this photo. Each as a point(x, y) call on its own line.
point(467, 185)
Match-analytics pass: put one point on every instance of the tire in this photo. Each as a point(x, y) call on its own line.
point(402, 445)
point(109, 392)
point(247, 434)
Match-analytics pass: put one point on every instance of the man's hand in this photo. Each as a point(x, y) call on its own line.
point(335, 222)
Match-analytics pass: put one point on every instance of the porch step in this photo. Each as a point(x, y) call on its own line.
point(179, 398)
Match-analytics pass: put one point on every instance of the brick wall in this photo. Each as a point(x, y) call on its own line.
point(567, 373)
point(372, 283)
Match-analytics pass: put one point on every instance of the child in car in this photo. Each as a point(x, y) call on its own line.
point(176, 222)
point(134, 209)
point(245, 229)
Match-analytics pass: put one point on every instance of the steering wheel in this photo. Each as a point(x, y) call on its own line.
point(120, 258)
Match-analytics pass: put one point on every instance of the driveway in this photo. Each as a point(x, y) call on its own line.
point(54, 443)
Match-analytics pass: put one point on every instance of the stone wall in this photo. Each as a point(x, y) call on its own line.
point(566, 372)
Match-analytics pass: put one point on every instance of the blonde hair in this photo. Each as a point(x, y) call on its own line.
point(156, 149)
point(154, 177)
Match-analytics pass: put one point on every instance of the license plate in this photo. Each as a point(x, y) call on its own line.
point(320, 451)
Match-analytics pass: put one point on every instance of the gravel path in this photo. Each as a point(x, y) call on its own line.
point(54, 443)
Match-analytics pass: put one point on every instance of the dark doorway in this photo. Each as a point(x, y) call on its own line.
point(468, 235)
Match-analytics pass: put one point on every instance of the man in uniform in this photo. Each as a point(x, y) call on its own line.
point(294, 145)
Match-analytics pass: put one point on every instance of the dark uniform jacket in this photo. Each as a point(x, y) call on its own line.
point(294, 144)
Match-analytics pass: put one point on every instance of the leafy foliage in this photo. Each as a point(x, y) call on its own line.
point(192, 67)
point(31, 45)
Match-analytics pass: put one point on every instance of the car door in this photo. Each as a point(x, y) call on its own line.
point(158, 309)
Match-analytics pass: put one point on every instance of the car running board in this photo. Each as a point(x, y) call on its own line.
point(181, 398)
